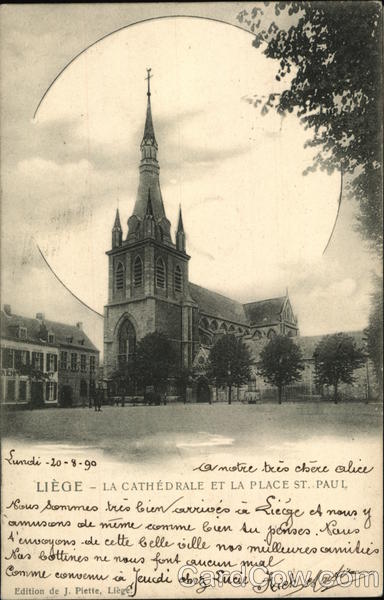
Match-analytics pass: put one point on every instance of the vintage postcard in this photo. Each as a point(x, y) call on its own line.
point(191, 318)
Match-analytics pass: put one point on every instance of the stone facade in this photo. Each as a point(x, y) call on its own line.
point(149, 288)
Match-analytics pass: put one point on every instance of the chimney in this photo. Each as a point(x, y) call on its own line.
point(40, 316)
point(79, 325)
point(8, 309)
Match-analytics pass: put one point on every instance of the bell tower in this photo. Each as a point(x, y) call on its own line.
point(148, 273)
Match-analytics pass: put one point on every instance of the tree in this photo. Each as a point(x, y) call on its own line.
point(331, 53)
point(125, 377)
point(154, 360)
point(336, 358)
point(281, 362)
point(374, 333)
point(229, 363)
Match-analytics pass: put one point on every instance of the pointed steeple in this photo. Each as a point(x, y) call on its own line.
point(149, 180)
point(117, 224)
point(117, 232)
point(180, 233)
point(149, 132)
point(180, 226)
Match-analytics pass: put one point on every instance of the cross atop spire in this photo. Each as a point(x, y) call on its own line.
point(149, 132)
point(148, 77)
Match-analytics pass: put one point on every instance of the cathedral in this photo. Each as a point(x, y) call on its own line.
point(149, 288)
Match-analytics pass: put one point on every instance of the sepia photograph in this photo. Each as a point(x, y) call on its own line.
point(191, 283)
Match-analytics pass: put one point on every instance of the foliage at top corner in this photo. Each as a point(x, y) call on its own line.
point(333, 53)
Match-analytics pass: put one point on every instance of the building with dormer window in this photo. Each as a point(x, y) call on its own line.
point(45, 363)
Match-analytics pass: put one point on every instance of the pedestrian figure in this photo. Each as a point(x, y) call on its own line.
point(99, 399)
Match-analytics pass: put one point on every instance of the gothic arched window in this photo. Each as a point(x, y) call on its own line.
point(137, 272)
point(119, 279)
point(127, 342)
point(271, 334)
point(178, 279)
point(160, 273)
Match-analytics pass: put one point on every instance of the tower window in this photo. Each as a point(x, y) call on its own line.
point(160, 273)
point(178, 279)
point(120, 276)
point(127, 342)
point(138, 272)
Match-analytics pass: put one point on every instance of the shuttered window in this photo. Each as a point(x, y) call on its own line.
point(38, 361)
point(51, 391)
point(74, 361)
point(7, 358)
point(63, 360)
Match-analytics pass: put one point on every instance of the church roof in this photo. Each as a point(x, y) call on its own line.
point(260, 313)
point(216, 305)
point(264, 311)
point(34, 328)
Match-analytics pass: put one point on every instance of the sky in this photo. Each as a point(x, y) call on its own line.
point(255, 225)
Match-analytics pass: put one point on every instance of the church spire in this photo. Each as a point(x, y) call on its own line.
point(180, 233)
point(117, 224)
point(149, 183)
point(180, 226)
point(149, 132)
point(117, 232)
